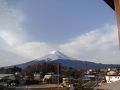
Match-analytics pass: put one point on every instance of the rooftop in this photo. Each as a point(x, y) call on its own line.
point(5, 75)
point(110, 86)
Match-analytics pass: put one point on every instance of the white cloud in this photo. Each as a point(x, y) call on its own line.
point(9, 58)
point(11, 34)
point(99, 45)
point(33, 50)
point(10, 18)
point(11, 21)
point(11, 37)
point(15, 46)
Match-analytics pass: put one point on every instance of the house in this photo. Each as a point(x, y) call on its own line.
point(7, 76)
point(103, 70)
point(52, 78)
point(110, 79)
point(67, 81)
point(37, 76)
point(112, 76)
point(88, 77)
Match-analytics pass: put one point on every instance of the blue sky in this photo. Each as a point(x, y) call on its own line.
point(83, 29)
point(62, 19)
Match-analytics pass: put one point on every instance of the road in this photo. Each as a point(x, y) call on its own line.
point(39, 87)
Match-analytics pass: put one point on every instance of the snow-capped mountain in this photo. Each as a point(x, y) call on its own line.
point(54, 55)
point(58, 57)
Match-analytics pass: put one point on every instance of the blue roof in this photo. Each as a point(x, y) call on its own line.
point(86, 78)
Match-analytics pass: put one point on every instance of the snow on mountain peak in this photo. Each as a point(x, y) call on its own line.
point(54, 55)
point(53, 52)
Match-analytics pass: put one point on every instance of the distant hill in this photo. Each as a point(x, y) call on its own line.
point(58, 57)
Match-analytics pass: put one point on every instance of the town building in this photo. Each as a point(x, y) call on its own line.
point(110, 79)
point(52, 78)
point(37, 76)
point(67, 81)
point(7, 76)
point(112, 76)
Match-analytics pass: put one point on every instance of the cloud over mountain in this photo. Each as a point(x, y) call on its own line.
point(99, 45)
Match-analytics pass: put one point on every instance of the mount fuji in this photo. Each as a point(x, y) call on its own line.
point(58, 57)
point(55, 55)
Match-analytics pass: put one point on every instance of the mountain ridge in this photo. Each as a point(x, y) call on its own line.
point(58, 57)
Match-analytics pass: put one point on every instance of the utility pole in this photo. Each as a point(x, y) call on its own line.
point(58, 76)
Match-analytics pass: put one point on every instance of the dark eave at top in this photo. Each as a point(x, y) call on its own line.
point(110, 3)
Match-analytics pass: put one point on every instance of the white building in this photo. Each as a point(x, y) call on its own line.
point(67, 81)
point(37, 76)
point(110, 79)
point(112, 76)
point(52, 78)
point(7, 76)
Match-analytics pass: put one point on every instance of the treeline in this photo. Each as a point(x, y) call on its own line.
point(44, 69)
point(55, 68)
point(10, 70)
